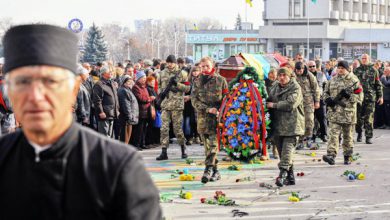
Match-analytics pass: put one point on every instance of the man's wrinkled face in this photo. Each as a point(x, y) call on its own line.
point(130, 71)
point(42, 96)
point(283, 79)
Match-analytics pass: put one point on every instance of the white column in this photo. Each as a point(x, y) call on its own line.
point(270, 45)
point(325, 50)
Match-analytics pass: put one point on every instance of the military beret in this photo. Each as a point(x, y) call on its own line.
point(40, 44)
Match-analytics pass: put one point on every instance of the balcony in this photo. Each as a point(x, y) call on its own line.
point(346, 15)
point(364, 17)
point(355, 16)
point(334, 14)
point(382, 19)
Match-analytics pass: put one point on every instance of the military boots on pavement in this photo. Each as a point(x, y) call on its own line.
point(368, 140)
point(163, 155)
point(216, 175)
point(183, 152)
point(290, 180)
point(282, 178)
point(359, 137)
point(206, 174)
point(329, 159)
point(347, 160)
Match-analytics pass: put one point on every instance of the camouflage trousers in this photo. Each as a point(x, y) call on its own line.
point(346, 130)
point(365, 117)
point(176, 117)
point(309, 121)
point(286, 147)
point(210, 148)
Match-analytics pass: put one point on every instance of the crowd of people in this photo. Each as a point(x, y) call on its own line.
point(125, 101)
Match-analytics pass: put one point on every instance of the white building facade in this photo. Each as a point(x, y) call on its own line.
point(335, 28)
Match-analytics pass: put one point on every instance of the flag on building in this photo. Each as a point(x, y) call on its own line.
point(250, 2)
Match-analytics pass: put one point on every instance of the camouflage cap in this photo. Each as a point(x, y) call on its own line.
point(284, 70)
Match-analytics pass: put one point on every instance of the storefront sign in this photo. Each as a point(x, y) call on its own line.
point(222, 38)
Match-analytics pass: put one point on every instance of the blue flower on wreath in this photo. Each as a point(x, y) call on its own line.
point(234, 142)
point(241, 128)
point(246, 139)
point(236, 104)
point(244, 90)
point(230, 131)
point(241, 98)
point(244, 118)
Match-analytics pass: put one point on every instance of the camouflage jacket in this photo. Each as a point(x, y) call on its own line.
point(207, 93)
point(287, 115)
point(369, 78)
point(339, 114)
point(175, 99)
point(309, 87)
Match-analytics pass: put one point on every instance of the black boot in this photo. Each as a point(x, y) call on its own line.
point(183, 152)
point(329, 159)
point(281, 178)
point(359, 137)
point(347, 160)
point(163, 155)
point(216, 175)
point(206, 174)
point(368, 140)
point(290, 177)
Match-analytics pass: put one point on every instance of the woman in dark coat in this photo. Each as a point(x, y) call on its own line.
point(152, 134)
point(144, 100)
point(128, 108)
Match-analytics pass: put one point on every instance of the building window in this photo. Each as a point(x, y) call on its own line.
point(290, 8)
point(297, 8)
point(304, 8)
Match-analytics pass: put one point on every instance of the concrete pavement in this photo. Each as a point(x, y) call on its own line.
point(331, 195)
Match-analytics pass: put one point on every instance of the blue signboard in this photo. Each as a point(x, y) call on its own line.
point(223, 38)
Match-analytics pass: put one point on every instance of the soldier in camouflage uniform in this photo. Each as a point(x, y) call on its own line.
point(311, 99)
point(173, 105)
point(286, 103)
point(372, 88)
point(346, 87)
point(206, 97)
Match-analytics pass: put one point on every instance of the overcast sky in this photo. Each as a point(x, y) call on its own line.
point(124, 12)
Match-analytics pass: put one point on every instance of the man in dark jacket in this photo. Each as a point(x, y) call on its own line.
point(83, 110)
point(54, 168)
point(106, 102)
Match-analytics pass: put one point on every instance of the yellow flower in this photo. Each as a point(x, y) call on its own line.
point(190, 177)
point(188, 195)
point(313, 154)
point(183, 177)
point(245, 85)
point(361, 176)
point(293, 199)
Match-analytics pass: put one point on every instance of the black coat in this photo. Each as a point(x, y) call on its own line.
point(128, 106)
point(105, 98)
point(83, 110)
point(82, 176)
